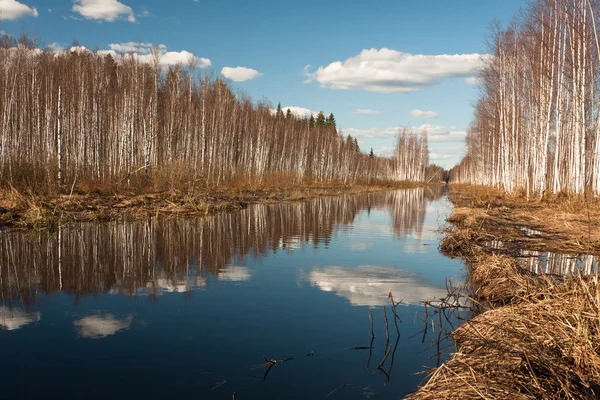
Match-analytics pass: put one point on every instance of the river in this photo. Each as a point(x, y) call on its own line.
point(174, 308)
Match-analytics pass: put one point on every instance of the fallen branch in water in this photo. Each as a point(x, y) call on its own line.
point(219, 384)
point(394, 305)
point(339, 388)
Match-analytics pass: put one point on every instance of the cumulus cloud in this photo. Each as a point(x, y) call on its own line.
point(443, 154)
point(12, 9)
point(439, 133)
point(367, 111)
point(99, 326)
point(473, 80)
point(240, 74)
point(298, 112)
point(55, 46)
point(142, 51)
point(390, 71)
point(182, 57)
point(424, 114)
point(435, 133)
point(78, 49)
point(103, 10)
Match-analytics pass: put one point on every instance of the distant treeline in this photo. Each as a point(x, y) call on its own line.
point(537, 121)
point(77, 116)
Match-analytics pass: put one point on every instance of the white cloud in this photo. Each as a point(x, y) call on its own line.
point(435, 133)
point(182, 57)
point(104, 10)
point(367, 111)
point(55, 46)
point(473, 80)
point(391, 71)
point(444, 154)
point(99, 326)
point(11, 9)
point(12, 319)
point(384, 151)
point(439, 133)
point(240, 74)
point(141, 51)
point(424, 114)
point(298, 112)
point(107, 52)
point(78, 49)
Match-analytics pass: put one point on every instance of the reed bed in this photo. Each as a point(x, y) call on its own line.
point(537, 336)
point(542, 343)
point(26, 208)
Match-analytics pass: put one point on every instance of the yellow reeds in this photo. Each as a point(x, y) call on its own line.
point(540, 335)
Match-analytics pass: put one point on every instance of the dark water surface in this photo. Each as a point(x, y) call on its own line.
point(171, 308)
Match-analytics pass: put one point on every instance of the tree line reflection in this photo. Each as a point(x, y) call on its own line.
point(162, 254)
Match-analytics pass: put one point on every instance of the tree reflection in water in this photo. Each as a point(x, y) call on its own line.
point(166, 254)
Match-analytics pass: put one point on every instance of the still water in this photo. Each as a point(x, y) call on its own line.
point(173, 308)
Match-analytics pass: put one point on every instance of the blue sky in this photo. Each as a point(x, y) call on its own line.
point(376, 65)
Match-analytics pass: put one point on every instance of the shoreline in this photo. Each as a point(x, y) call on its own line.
point(21, 208)
point(535, 336)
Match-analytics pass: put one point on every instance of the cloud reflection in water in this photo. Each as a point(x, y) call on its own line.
point(234, 273)
point(100, 326)
point(368, 285)
point(15, 319)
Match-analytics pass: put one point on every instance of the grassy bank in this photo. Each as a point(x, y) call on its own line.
point(537, 337)
point(29, 209)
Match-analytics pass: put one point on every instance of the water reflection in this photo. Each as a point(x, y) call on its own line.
point(543, 262)
point(100, 326)
point(219, 298)
point(368, 285)
point(169, 255)
point(558, 264)
point(11, 319)
point(234, 273)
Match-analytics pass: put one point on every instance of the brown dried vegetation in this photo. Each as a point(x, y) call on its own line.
point(539, 337)
point(27, 209)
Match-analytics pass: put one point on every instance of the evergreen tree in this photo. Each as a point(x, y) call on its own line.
point(371, 154)
point(356, 145)
point(330, 123)
point(311, 121)
point(279, 112)
point(320, 122)
point(288, 114)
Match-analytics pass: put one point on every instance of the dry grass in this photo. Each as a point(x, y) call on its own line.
point(540, 335)
point(25, 208)
point(543, 343)
point(563, 223)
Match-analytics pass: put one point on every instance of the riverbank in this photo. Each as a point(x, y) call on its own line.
point(537, 336)
point(27, 209)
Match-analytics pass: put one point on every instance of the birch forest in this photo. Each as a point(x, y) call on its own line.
point(78, 115)
point(537, 120)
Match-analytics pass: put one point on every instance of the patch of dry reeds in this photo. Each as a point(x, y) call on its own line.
point(565, 222)
point(544, 345)
point(540, 335)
